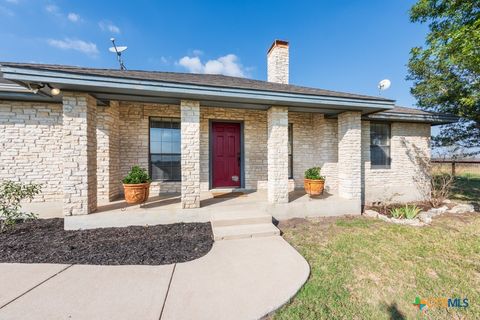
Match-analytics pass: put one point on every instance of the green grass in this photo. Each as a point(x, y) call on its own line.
point(367, 269)
point(467, 188)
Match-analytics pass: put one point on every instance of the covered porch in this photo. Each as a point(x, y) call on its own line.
point(106, 129)
point(218, 206)
point(267, 157)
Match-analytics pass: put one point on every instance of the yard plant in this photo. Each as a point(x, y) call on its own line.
point(11, 194)
point(406, 212)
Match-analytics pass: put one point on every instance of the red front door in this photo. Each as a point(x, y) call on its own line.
point(226, 154)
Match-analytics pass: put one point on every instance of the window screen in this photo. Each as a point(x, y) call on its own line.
point(165, 149)
point(290, 151)
point(380, 145)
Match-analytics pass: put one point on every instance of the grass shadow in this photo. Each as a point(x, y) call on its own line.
point(394, 312)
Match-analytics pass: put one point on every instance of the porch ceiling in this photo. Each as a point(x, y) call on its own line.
point(106, 88)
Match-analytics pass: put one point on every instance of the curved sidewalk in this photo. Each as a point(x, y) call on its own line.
point(237, 279)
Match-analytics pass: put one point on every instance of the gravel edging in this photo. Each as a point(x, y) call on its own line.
point(45, 241)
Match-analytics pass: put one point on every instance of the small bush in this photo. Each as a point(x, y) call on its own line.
point(441, 186)
point(314, 174)
point(136, 175)
point(405, 212)
point(11, 193)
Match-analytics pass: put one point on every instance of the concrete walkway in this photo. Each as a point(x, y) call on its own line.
point(237, 279)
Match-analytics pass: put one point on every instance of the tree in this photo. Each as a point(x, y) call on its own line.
point(446, 71)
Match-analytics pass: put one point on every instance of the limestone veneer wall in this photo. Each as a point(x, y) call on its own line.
point(408, 177)
point(31, 146)
point(134, 144)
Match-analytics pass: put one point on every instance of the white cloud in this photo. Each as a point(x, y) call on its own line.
point(193, 64)
point(52, 9)
point(227, 65)
point(108, 26)
point(88, 48)
point(74, 17)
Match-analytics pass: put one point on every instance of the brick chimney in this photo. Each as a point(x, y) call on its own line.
point(277, 62)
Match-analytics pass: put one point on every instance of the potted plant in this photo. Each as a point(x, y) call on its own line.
point(314, 182)
point(136, 185)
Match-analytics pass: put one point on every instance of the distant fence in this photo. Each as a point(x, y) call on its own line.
point(456, 167)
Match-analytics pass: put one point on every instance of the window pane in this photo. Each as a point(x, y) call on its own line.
point(380, 144)
point(167, 134)
point(290, 150)
point(155, 147)
point(290, 166)
point(165, 149)
point(155, 134)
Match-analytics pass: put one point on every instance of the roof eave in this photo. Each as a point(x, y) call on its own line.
point(433, 119)
point(71, 81)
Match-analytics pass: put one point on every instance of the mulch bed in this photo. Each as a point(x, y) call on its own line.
point(45, 241)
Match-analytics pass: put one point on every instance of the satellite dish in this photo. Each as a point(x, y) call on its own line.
point(384, 84)
point(118, 49)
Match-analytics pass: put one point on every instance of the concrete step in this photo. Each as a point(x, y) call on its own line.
point(245, 231)
point(240, 218)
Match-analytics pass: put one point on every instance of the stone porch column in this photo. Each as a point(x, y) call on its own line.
point(349, 155)
point(79, 150)
point(190, 137)
point(108, 151)
point(277, 154)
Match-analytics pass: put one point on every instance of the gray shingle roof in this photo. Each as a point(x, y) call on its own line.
point(194, 79)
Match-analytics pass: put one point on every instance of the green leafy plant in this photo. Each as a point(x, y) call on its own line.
point(314, 174)
point(11, 194)
point(137, 175)
point(405, 212)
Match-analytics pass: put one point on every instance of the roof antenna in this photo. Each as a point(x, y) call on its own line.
point(383, 85)
point(118, 50)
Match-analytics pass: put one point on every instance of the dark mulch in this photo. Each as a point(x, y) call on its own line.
point(45, 241)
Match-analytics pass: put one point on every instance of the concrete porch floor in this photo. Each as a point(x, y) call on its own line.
point(166, 208)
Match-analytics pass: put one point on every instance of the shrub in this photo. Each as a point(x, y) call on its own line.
point(406, 212)
point(441, 186)
point(137, 175)
point(314, 174)
point(11, 193)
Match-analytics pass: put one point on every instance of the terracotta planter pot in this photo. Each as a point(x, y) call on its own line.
point(136, 193)
point(313, 187)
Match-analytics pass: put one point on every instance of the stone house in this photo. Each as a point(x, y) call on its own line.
point(199, 132)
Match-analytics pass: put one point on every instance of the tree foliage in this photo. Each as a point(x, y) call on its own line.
point(446, 71)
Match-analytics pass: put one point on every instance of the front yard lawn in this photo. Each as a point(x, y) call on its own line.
point(368, 269)
point(467, 188)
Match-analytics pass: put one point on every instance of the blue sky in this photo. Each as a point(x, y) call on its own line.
point(338, 45)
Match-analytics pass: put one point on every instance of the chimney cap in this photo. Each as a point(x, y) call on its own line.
point(278, 43)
